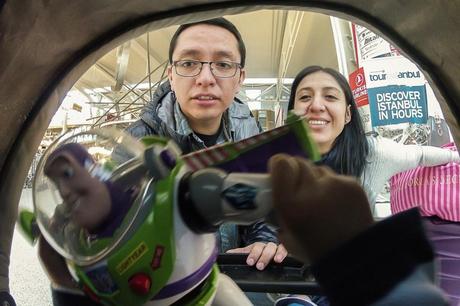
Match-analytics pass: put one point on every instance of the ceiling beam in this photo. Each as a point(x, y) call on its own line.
point(140, 47)
point(278, 28)
point(291, 32)
point(101, 68)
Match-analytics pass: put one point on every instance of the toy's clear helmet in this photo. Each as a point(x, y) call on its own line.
point(78, 202)
point(107, 203)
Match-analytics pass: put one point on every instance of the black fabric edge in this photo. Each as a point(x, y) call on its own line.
point(2, 3)
point(373, 263)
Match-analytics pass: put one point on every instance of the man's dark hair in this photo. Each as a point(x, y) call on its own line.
point(218, 22)
point(350, 149)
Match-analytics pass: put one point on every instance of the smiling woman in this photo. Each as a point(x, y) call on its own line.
point(321, 100)
point(324, 98)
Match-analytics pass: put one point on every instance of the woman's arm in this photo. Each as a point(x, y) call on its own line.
point(387, 158)
point(404, 157)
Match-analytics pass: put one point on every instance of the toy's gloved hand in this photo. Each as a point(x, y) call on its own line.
point(6, 299)
point(317, 210)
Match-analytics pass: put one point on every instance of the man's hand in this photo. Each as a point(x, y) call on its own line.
point(261, 253)
point(317, 210)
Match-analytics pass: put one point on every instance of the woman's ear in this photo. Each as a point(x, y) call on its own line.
point(348, 114)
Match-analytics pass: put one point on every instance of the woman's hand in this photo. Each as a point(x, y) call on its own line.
point(261, 253)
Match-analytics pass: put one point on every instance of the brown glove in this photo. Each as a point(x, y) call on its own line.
point(317, 210)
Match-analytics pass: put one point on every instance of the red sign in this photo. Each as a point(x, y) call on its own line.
point(358, 87)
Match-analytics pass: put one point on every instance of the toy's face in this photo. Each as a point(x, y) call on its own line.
point(83, 206)
point(86, 199)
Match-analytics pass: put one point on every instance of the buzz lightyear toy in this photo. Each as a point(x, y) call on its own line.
point(135, 220)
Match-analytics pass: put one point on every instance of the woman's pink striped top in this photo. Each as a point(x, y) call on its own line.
point(436, 190)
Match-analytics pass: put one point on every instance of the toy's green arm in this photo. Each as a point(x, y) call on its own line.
point(28, 225)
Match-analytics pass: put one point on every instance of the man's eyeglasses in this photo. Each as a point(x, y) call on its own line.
point(220, 69)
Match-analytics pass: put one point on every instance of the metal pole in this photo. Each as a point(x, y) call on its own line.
point(148, 66)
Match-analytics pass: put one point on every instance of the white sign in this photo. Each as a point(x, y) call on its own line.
point(396, 91)
point(370, 45)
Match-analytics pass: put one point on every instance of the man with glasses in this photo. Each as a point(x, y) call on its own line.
point(197, 108)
